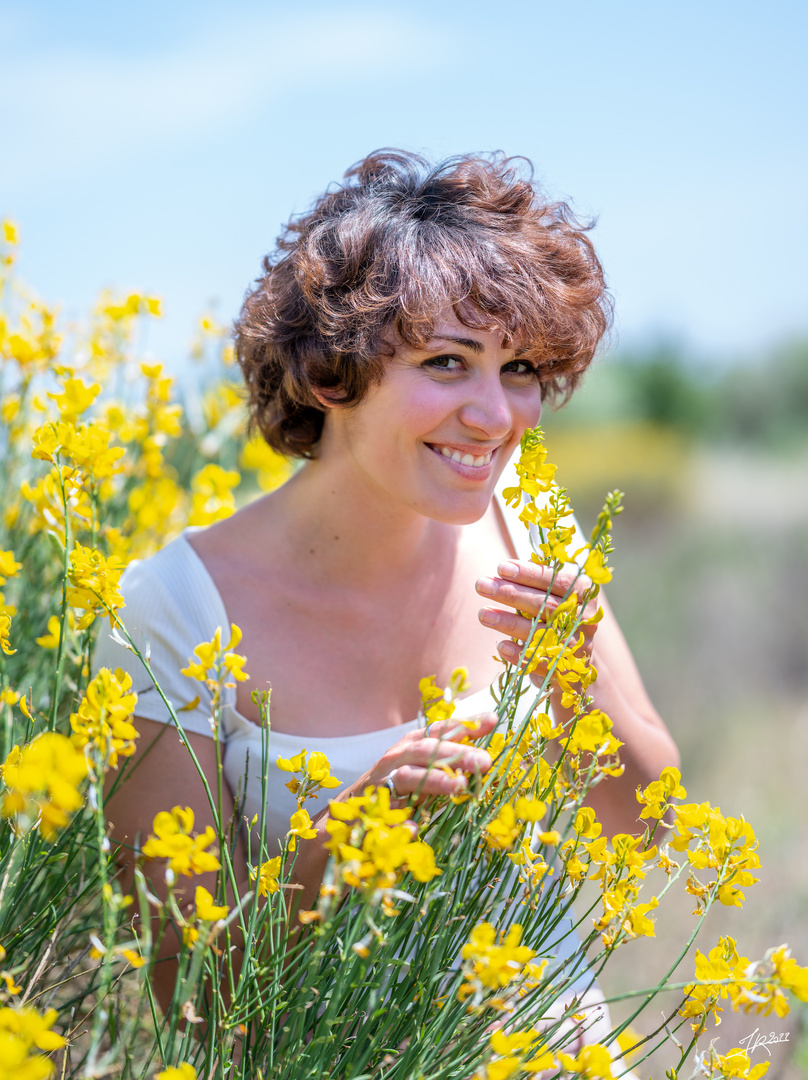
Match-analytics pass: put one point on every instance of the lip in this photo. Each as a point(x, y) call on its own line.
point(470, 472)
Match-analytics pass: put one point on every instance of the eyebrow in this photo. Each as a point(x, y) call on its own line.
point(468, 343)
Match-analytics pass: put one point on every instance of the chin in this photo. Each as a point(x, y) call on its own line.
point(459, 514)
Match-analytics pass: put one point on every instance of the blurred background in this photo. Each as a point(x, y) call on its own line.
point(161, 147)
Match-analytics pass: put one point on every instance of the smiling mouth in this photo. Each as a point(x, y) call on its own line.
point(464, 459)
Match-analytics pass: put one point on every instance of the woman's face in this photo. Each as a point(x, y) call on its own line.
point(437, 431)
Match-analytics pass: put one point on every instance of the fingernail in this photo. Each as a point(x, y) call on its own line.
point(509, 650)
point(488, 618)
point(508, 569)
point(486, 585)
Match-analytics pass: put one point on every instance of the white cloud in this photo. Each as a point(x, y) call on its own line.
point(78, 110)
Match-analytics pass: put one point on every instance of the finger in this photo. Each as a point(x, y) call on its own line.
point(543, 577)
point(508, 622)
point(454, 729)
point(412, 780)
point(436, 753)
point(511, 651)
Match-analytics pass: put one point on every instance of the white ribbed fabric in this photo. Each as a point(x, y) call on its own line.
point(172, 604)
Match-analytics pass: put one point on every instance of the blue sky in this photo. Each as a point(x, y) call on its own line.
point(161, 145)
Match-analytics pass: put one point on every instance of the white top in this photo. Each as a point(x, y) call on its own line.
point(172, 604)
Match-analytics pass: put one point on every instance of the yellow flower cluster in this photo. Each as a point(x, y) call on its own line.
point(535, 474)
point(517, 1052)
point(172, 840)
point(724, 844)
point(42, 783)
point(593, 1061)
point(620, 867)
point(93, 581)
point(267, 875)
point(315, 774)
point(508, 827)
point(372, 846)
point(103, 719)
point(9, 567)
point(270, 468)
point(23, 1031)
point(758, 988)
point(438, 704)
point(497, 968)
point(656, 798)
point(212, 498)
point(215, 662)
point(557, 533)
point(734, 1065)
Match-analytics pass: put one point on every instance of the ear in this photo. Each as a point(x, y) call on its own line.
point(327, 399)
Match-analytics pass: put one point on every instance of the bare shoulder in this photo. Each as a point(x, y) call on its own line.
point(159, 775)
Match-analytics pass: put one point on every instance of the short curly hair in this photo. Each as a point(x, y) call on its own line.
point(377, 259)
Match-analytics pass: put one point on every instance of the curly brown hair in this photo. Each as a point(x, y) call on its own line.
point(379, 257)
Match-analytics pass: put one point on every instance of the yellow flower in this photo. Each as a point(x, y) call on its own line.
point(594, 568)
point(9, 566)
point(42, 782)
point(505, 830)
point(658, 794)
point(172, 840)
point(300, 826)
point(315, 773)
point(272, 469)
point(592, 733)
point(75, 398)
point(104, 717)
point(212, 498)
point(181, 1072)
point(593, 1061)
point(267, 876)
point(93, 583)
point(24, 1030)
point(372, 847)
point(637, 922)
point(213, 660)
point(535, 476)
point(734, 1064)
point(206, 910)
point(494, 960)
point(5, 626)
point(51, 639)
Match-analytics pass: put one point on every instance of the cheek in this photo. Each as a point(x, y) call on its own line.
point(527, 411)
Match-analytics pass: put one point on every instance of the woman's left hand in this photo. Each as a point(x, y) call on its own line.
point(527, 588)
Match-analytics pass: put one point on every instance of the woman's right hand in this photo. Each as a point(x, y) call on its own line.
point(433, 760)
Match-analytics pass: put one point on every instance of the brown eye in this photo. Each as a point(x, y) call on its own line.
point(521, 367)
point(444, 363)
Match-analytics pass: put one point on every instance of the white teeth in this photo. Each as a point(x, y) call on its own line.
point(466, 459)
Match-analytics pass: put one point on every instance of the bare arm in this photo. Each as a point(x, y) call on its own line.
point(161, 775)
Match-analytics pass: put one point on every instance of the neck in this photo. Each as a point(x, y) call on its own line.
point(355, 537)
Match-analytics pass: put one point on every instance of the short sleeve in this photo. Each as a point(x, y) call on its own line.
point(166, 624)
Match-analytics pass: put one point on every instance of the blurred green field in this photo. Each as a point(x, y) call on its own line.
point(711, 588)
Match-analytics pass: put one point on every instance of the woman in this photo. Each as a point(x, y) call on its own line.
point(401, 341)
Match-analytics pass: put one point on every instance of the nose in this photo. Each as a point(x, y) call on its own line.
point(487, 409)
